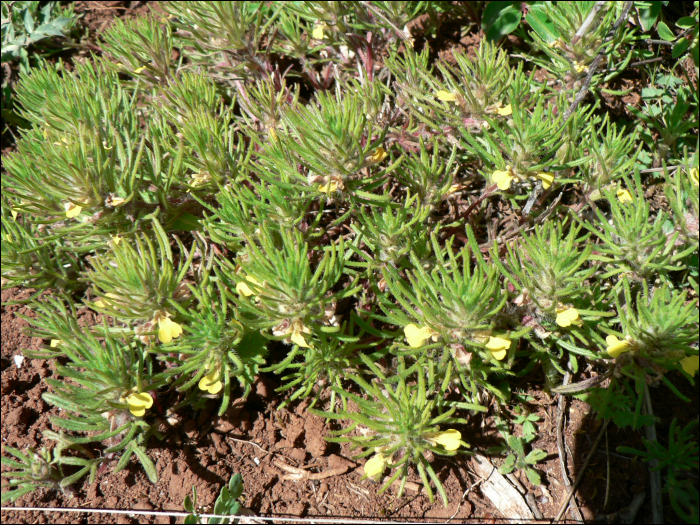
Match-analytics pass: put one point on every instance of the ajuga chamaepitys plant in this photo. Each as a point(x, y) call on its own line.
point(408, 236)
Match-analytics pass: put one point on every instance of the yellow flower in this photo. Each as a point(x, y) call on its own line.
point(323, 188)
point(503, 178)
point(446, 96)
point(375, 466)
point(690, 364)
point(211, 383)
point(116, 239)
point(139, 403)
point(243, 288)
point(693, 175)
point(567, 317)
point(72, 210)
point(139, 69)
point(377, 155)
point(318, 32)
point(14, 212)
point(450, 439)
point(55, 342)
point(624, 196)
point(546, 178)
point(579, 67)
point(298, 331)
point(498, 346)
point(168, 329)
point(272, 133)
point(417, 337)
point(615, 346)
point(505, 110)
point(500, 109)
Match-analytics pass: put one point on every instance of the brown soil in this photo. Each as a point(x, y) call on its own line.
point(253, 438)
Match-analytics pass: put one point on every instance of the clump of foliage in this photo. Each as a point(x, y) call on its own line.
point(307, 193)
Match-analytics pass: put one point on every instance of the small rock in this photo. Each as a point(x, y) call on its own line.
point(297, 454)
point(143, 505)
point(296, 509)
point(190, 428)
point(112, 502)
point(338, 462)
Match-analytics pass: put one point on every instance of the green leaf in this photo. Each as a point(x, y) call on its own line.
point(28, 22)
point(686, 22)
point(648, 14)
point(533, 476)
point(508, 465)
point(500, 19)
point(535, 455)
point(186, 222)
point(680, 48)
point(542, 24)
point(12, 495)
point(148, 465)
point(665, 33)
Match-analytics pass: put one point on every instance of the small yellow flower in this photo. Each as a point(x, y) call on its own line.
point(244, 289)
point(498, 346)
point(567, 317)
point(139, 403)
point(693, 175)
point(298, 331)
point(503, 178)
point(377, 155)
point(139, 69)
point(450, 439)
point(417, 336)
point(272, 133)
point(324, 188)
point(116, 239)
point(624, 196)
point(446, 96)
point(615, 346)
point(375, 466)
point(690, 364)
point(168, 329)
point(117, 201)
point(72, 210)
point(55, 342)
point(499, 109)
point(318, 32)
point(546, 178)
point(505, 111)
point(579, 67)
point(14, 212)
point(211, 383)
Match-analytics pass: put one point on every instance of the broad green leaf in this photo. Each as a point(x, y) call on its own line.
point(500, 19)
point(533, 476)
point(686, 22)
point(648, 14)
point(680, 48)
point(664, 32)
point(542, 24)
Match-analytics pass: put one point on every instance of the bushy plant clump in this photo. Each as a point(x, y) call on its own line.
point(411, 233)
